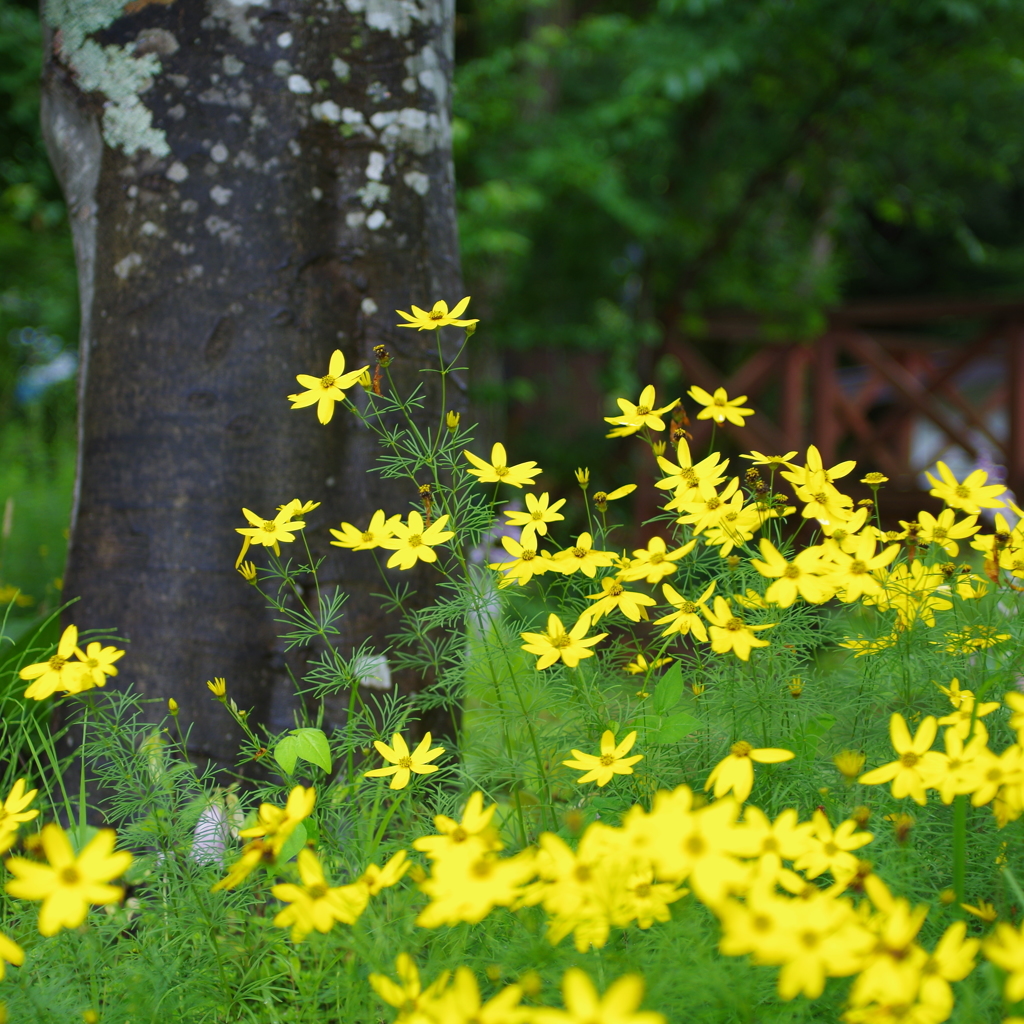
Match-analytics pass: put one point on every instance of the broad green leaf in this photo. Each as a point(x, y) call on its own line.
point(295, 842)
point(676, 727)
point(313, 747)
point(669, 690)
point(286, 753)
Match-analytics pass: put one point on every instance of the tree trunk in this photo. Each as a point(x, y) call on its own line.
point(250, 186)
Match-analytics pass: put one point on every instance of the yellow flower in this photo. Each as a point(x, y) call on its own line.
point(944, 531)
point(10, 953)
point(375, 879)
point(66, 884)
point(719, 407)
point(474, 830)
point(535, 519)
point(413, 542)
point(13, 813)
point(326, 390)
point(774, 461)
point(583, 477)
point(611, 761)
point(874, 480)
point(832, 850)
point(404, 762)
point(379, 530)
point(686, 618)
point(218, 687)
point(99, 663)
point(986, 911)
point(59, 673)
point(527, 562)
point(909, 774)
point(452, 420)
point(850, 763)
point(640, 664)
point(461, 1004)
point(654, 562)
point(582, 557)
point(643, 414)
point(1005, 949)
point(270, 533)
point(864, 645)
point(971, 639)
point(558, 645)
point(313, 904)
point(853, 573)
point(275, 824)
point(735, 772)
point(614, 596)
point(415, 1004)
point(799, 578)
point(619, 1005)
point(971, 496)
point(730, 633)
point(247, 570)
point(498, 471)
point(601, 498)
point(439, 316)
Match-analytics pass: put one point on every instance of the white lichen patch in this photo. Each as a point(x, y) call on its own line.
point(125, 266)
point(219, 153)
point(417, 181)
point(368, 306)
point(220, 195)
point(284, 40)
point(376, 220)
point(415, 129)
point(234, 14)
point(327, 111)
point(374, 192)
point(299, 84)
point(232, 65)
point(228, 233)
point(113, 71)
point(341, 69)
point(355, 218)
point(151, 230)
point(316, 193)
point(375, 167)
point(394, 16)
point(425, 68)
point(177, 172)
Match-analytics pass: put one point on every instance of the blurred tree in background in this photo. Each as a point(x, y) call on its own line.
point(629, 164)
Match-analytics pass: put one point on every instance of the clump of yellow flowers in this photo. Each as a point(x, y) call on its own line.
point(763, 724)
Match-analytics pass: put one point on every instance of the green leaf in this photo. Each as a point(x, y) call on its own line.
point(286, 753)
point(806, 739)
point(669, 690)
point(295, 842)
point(312, 746)
point(676, 728)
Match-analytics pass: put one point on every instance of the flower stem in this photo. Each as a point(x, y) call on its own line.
point(959, 846)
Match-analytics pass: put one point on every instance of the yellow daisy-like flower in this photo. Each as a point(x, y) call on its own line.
point(735, 772)
point(863, 645)
point(535, 519)
point(13, 813)
point(313, 904)
point(526, 563)
point(654, 562)
point(498, 471)
point(641, 664)
point(379, 530)
point(413, 542)
point(404, 762)
point(971, 639)
point(324, 391)
point(415, 1004)
point(99, 663)
point(944, 531)
point(614, 596)
point(612, 760)
point(10, 953)
point(439, 316)
point(686, 618)
point(719, 406)
point(635, 417)
point(558, 645)
point(971, 496)
point(772, 461)
point(59, 672)
point(270, 533)
point(582, 557)
point(275, 824)
point(619, 1005)
point(67, 885)
point(730, 633)
point(909, 774)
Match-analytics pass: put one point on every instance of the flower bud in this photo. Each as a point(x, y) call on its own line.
point(172, 706)
point(658, 447)
point(248, 572)
point(366, 381)
point(452, 420)
point(583, 478)
point(382, 354)
point(470, 329)
point(218, 687)
point(796, 687)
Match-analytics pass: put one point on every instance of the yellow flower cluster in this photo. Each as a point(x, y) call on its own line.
point(70, 669)
point(966, 767)
point(457, 1000)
